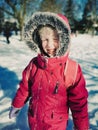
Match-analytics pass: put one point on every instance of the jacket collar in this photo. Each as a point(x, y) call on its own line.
point(45, 62)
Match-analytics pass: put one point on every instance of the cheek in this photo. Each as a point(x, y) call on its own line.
point(56, 44)
point(44, 45)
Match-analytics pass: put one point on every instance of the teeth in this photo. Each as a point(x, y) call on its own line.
point(51, 52)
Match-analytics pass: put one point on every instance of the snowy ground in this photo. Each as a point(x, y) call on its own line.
point(16, 55)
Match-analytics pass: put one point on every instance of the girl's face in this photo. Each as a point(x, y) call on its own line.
point(50, 41)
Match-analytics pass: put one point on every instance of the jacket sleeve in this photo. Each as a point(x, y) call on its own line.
point(22, 93)
point(77, 100)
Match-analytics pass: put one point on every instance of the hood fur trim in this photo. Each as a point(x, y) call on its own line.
point(58, 21)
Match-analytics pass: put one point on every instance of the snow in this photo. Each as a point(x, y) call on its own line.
point(15, 56)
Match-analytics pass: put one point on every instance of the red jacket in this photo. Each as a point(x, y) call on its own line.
point(43, 81)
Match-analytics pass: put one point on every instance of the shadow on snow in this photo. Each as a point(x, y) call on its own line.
point(8, 86)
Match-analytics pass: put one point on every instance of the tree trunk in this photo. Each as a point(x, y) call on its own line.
point(21, 25)
point(21, 34)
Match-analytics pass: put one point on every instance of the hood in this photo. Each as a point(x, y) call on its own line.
point(58, 21)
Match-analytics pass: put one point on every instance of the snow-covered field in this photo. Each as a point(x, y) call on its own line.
point(16, 55)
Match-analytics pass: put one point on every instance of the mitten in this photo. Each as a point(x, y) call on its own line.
point(13, 112)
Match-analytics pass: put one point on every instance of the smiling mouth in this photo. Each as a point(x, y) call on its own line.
point(51, 52)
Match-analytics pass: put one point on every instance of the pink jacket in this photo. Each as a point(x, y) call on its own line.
point(43, 81)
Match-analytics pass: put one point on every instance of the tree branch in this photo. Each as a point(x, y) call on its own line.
point(11, 5)
point(6, 11)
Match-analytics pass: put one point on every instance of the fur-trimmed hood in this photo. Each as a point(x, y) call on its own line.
point(58, 21)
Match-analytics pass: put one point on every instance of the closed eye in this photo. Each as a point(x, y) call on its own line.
point(45, 40)
point(55, 39)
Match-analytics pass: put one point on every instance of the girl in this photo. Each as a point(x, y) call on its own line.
point(44, 80)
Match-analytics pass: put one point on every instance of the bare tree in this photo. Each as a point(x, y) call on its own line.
point(18, 10)
point(50, 5)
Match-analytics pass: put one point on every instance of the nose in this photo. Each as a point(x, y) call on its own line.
point(51, 44)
